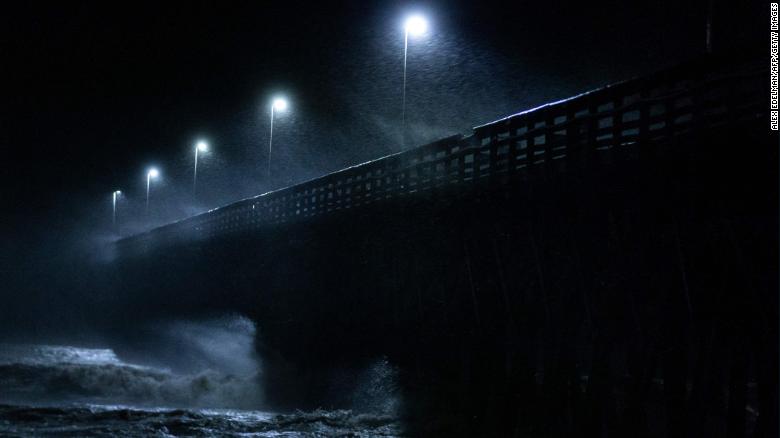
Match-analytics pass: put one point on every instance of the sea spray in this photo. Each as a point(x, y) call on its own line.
point(209, 363)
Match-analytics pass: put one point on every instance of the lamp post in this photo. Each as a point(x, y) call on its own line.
point(278, 104)
point(415, 25)
point(152, 173)
point(113, 207)
point(200, 147)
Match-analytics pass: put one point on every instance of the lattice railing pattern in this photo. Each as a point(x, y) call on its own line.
point(598, 127)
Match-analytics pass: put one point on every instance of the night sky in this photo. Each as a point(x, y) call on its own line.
point(93, 93)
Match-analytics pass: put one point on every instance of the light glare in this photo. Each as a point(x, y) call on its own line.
point(153, 173)
point(279, 104)
point(416, 25)
point(203, 146)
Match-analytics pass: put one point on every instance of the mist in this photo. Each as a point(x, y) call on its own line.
point(345, 112)
point(95, 99)
point(207, 363)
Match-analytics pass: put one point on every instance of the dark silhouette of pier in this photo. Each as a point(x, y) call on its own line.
point(604, 265)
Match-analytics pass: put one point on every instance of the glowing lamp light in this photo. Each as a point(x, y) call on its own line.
point(153, 173)
point(416, 25)
point(279, 104)
point(202, 146)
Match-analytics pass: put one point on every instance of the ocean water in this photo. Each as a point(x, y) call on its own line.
point(105, 420)
point(48, 390)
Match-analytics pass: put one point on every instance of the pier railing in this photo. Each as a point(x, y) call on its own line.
point(603, 126)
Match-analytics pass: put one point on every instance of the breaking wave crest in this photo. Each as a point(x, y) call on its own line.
point(221, 372)
point(173, 378)
point(123, 383)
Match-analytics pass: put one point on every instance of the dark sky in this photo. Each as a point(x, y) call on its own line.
point(93, 93)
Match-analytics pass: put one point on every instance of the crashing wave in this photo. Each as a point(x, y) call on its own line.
point(60, 373)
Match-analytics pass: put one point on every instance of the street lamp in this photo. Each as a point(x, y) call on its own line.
point(113, 204)
point(152, 173)
point(278, 104)
point(415, 25)
point(200, 147)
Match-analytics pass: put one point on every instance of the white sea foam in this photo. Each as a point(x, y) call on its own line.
point(222, 372)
